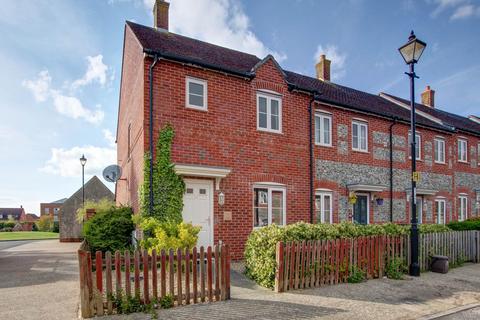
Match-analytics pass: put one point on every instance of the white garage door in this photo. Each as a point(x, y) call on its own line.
point(198, 208)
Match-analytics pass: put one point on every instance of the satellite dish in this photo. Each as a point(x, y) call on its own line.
point(112, 173)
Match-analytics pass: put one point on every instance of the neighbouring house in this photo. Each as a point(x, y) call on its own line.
point(257, 144)
point(30, 220)
point(52, 209)
point(31, 217)
point(12, 214)
point(70, 228)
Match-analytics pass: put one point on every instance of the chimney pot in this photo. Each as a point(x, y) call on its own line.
point(428, 97)
point(323, 68)
point(160, 14)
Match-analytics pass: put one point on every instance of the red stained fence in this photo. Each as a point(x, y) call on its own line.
point(309, 264)
point(193, 276)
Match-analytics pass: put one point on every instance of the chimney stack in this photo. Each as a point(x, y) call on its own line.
point(323, 68)
point(160, 14)
point(428, 97)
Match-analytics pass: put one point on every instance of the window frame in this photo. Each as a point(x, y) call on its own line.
point(321, 131)
point(202, 82)
point(269, 97)
point(270, 188)
point(418, 155)
point(322, 194)
point(360, 123)
point(462, 207)
point(460, 141)
point(437, 211)
point(442, 141)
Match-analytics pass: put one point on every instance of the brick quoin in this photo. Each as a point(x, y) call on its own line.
point(226, 136)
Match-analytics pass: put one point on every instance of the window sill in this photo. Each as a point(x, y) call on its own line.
point(197, 108)
point(324, 145)
point(441, 163)
point(361, 151)
point(461, 161)
point(269, 131)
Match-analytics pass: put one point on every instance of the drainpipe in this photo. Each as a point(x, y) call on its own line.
point(150, 132)
point(311, 166)
point(394, 122)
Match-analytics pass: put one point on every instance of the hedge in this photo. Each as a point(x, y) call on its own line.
point(469, 224)
point(109, 230)
point(261, 244)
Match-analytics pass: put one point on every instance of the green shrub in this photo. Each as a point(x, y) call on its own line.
point(45, 224)
point(34, 227)
point(395, 269)
point(109, 230)
point(167, 235)
point(356, 275)
point(469, 224)
point(260, 246)
point(102, 205)
point(166, 302)
point(56, 227)
point(8, 224)
point(433, 228)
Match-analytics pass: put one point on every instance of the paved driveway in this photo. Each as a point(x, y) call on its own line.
point(38, 280)
point(381, 299)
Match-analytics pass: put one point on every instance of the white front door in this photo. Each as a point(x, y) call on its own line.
point(198, 208)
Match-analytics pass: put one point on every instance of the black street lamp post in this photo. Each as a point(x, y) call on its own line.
point(83, 161)
point(411, 53)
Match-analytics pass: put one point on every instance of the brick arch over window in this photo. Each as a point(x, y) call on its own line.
point(265, 177)
point(326, 184)
point(266, 85)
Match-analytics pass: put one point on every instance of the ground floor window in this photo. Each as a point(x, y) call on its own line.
point(419, 209)
point(440, 210)
point(462, 208)
point(269, 206)
point(323, 207)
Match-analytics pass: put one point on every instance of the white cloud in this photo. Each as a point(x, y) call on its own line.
point(96, 71)
point(108, 135)
point(444, 4)
point(72, 107)
point(222, 22)
point(465, 11)
point(338, 59)
point(69, 105)
point(39, 87)
point(65, 162)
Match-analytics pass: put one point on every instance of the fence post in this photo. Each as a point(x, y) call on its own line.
point(477, 237)
point(279, 268)
point(85, 284)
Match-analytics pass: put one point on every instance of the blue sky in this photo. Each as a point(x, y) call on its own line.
point(61, 66)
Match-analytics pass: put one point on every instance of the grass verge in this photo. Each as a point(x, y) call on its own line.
point(27, 235)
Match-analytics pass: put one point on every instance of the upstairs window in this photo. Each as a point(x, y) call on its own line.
point(196, 94)
point(418, 146)
point(323, 129)
point(462, 150)
point(439, 149)
point(269, 113)
point(268, 206)
point(360, 136)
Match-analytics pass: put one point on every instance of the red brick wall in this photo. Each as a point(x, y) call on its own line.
point(131, 112)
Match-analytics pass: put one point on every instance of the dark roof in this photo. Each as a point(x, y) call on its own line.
point(451, 119)
point(32, 217)
point(60, 201)
point(14, 212)
point(184, 49)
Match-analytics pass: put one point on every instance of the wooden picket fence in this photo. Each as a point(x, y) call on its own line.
point(309, 264)
point(188, 276)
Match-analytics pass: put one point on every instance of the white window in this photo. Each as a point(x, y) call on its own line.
point(418, 146)
point(462, 208)
point(440, 208)
point(439, 149)
point(323, 207)
point(47, 210)
point(196, 94)
point(268, 206)
point(359, 136)
point(269, 113)
point(462, 150)
point(323, 129)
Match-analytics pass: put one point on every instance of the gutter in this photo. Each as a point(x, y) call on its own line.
point(150, 131)
point(394, 122)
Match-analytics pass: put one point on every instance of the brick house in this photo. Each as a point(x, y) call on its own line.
point(12, 214)
point(52, 209)
point(257, 144)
